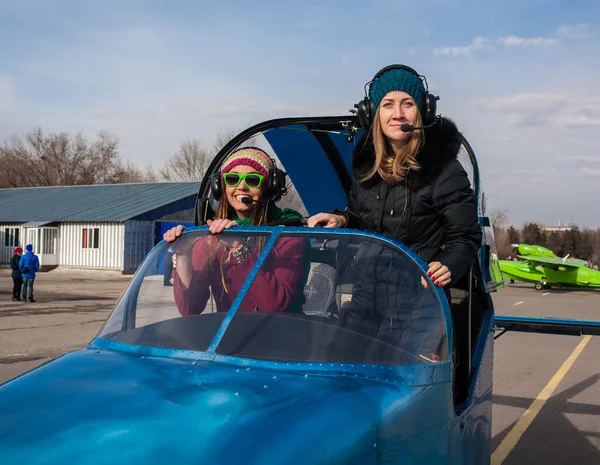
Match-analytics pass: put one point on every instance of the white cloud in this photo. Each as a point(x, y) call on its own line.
point(590, 172)
point(579, 158)
point(584, 143)
point(564, 32)
point(478, 43)
point(579, 31)
point(581, 121)
point(512, 41)
point(545, 109)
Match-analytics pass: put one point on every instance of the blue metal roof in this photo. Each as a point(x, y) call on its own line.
point(105, 202)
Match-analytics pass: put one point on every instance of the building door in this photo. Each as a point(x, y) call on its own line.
point(34, 238)
point(49, 246)
point(45, 244)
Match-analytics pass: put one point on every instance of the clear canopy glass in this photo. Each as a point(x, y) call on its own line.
point(284, 294)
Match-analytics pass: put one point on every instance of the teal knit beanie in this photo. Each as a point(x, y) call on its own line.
point(397, 79)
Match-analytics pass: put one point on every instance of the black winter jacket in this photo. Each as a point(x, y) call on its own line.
point(14, 265)
point(433, 211)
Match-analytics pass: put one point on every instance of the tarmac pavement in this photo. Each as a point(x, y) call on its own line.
point(567, 428)
point(73, 304)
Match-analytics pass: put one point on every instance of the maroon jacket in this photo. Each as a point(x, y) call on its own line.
point(278, 286)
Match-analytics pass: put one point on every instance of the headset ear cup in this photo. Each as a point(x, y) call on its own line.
point(364, 111)
point(216, 188)
point(430, 108)
point(276, 183)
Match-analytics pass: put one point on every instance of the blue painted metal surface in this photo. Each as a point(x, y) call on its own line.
point(97, 406)
point(471, 431)
point(547, 325)
point(307, 167)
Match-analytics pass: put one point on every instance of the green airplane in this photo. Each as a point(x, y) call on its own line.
point(544, 269)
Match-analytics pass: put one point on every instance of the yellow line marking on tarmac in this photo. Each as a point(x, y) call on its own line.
point(545, 293)
point(515, 434)
point(519, 303)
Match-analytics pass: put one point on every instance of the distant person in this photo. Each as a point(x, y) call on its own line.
point(590, 264)
point(16, 274)
point(29, 264)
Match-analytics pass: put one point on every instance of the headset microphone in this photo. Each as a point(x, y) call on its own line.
point(410, 128)
point(250, 201)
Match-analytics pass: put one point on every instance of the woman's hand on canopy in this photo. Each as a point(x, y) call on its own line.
point(327, 220)
point(173, 234)
point(440, 274)
point(218, 226)
point(183, 246)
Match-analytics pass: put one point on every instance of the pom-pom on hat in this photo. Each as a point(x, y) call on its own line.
point(397, 79)
point(249, 156)
point(29, 248)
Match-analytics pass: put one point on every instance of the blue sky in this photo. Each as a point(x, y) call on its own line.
point(519, 78)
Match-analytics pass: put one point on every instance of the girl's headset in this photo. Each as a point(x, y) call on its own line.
point(274, 189)
point(366, 112)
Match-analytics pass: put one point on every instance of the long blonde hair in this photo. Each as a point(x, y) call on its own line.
point(393, 168)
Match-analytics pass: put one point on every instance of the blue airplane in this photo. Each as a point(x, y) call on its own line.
point(307, 382)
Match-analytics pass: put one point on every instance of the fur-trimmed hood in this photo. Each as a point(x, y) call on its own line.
point(442, 144)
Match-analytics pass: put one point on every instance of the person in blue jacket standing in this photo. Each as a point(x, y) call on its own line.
point(29, 265)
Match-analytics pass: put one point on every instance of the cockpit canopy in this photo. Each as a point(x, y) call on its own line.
point(299, 295)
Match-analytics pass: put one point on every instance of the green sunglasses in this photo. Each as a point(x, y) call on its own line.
point(252, 180)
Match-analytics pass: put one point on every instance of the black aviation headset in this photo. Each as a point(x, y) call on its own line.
point(274, 190)
point(366, 112)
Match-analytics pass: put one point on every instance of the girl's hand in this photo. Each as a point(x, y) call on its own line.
point(218, 226)
point(173, 234)
point(327, 220)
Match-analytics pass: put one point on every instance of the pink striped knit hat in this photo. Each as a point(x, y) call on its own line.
point(249, 156)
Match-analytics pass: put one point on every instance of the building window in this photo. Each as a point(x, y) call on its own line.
point(11, 237)
point(90, 238)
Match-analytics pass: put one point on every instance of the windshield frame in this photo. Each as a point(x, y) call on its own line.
point(389, 372)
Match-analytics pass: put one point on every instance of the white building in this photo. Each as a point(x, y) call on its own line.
point(109, 226)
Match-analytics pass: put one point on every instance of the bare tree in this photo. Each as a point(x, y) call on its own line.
point(222, 139)
point(63, 160)
point(188, 164)
point(193, 159)
point(150, 174)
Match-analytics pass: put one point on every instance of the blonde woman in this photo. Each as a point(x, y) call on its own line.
point(407, 181)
